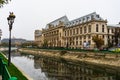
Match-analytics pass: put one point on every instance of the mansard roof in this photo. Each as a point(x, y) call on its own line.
point(80, 20)
point(84, 19)
point(56, 22)
point(113, 25)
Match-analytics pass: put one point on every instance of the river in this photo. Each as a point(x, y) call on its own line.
point(44, 68)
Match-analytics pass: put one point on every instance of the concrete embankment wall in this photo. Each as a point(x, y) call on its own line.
point(90, 57)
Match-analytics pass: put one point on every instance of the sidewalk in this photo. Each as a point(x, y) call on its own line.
point(0, 77)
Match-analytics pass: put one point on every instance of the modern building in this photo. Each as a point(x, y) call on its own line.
point(76, 33)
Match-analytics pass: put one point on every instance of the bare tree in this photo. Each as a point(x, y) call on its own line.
point(98, 41)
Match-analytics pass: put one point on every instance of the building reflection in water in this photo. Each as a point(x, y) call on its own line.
point(56, 69)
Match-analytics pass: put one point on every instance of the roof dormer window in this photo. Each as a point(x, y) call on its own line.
point(97, 16)
point(76, 21)
point(73, 22)
point(92, 16)
point(83, 19)
point(79, 20)
point(87, 18)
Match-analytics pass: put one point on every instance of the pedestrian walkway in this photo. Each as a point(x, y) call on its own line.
point(0, 77)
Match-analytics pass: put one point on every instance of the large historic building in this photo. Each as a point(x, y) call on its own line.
point(77, 33)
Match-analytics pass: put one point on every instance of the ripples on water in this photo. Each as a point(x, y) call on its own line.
point(44, 68)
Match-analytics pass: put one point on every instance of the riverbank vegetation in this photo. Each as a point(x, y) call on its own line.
point(13, 70)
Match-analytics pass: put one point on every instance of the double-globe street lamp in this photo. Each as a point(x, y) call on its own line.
point(0, 35)
point(10, 19)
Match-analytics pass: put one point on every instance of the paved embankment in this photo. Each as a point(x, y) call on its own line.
point(89, 57)
point(0, 77)
point(14, 70)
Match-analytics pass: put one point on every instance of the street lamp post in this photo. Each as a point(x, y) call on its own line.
point(0, 35)
point(10, 19)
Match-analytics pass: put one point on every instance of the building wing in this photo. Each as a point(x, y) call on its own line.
point(84, 19)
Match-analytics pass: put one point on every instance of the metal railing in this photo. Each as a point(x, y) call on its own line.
point(4, 71)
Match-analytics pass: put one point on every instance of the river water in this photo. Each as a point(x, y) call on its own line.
point(44, 68)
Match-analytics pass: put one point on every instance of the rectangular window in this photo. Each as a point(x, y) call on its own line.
point(65, 33)
point(108, 30)
point(76, 38)
point(102, 28)
point(81, 30)
point(89, 28)
point(112, 37)
point(103, 36)
point(73, 31)
point(70, 32)
point(89, 42)
point(96, 27)
point(77, 31)
point(85, 29)
point(80, 42)
point(84, 37)
point(112, 30)
point(80, 37)
point(76, 42)
point(60, 34)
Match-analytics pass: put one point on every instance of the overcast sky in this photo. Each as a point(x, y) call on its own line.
point(35, 14)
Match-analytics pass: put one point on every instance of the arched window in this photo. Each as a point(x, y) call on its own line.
point(65, 33)
point(102, 28)
point(96, 27)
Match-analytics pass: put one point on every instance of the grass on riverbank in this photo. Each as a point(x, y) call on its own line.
point(14, 72)
point(74, 50)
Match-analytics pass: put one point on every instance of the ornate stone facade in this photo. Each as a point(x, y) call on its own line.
point(77, 33)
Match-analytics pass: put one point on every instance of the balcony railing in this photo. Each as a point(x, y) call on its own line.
point(4, 71)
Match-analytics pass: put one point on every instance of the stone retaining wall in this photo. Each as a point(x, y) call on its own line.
point(96, 58)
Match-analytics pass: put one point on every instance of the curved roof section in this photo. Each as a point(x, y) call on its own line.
point(56, 22)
